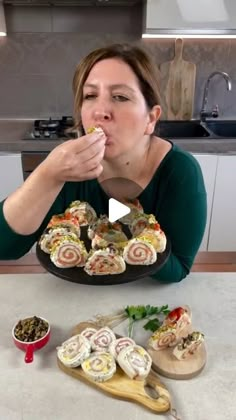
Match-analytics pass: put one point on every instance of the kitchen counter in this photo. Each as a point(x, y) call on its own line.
point(41, 391)
point(13, 131)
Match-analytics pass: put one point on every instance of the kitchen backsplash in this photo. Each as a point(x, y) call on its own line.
point(39, 55)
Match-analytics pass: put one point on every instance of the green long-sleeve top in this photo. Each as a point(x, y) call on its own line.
point(176, 196)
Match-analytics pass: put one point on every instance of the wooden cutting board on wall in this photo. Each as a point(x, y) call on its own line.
point(177, 86)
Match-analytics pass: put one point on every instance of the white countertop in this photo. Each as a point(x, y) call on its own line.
point(40, 391)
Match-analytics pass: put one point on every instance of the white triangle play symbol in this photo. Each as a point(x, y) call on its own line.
point(116, 210)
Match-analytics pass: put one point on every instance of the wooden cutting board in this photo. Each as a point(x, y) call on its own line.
point(164, 363)
point(177, 86)
point(156, 398)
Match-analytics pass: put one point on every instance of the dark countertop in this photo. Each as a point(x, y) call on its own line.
point(12, 132)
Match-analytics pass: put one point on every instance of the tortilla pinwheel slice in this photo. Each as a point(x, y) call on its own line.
point(83, 211)
point(69, 252)
point(120, 343)
point(99, 366)
point(140, 251)
point(181, 316)
point(65, 220)
point(97, 226)
point(163, 337)
point(135, 208)
point(74, 351)
point(139, 223)
point(188, 346)
point(135, 362)
point(102, 339)
point(112, 237)
point(52, 236)
point(88, 333)
point(156, 237)
point(104, 262)
point(95, 129)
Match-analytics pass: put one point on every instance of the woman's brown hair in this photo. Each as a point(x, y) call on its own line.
point(134, 56)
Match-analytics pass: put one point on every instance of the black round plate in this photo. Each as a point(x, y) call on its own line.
point(78, 275)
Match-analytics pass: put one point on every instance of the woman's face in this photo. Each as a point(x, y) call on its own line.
point(113, 100)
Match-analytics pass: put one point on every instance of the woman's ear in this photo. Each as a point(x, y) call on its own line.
point(154, 116)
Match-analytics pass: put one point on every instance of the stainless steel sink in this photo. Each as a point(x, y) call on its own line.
point(181, 129)
point(221, 128)
point(196, 129)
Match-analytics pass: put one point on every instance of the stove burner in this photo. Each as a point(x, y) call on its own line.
point(53, 129)
point(47, 124)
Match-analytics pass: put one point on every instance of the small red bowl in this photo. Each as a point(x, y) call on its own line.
point(30, 346)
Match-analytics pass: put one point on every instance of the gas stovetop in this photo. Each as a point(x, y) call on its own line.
point(52, 129)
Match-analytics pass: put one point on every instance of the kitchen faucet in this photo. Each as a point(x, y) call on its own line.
point(215, 111)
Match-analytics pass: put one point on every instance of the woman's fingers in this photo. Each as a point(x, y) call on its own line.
point(93, 151)
point(77, 160)
point(94, 161)
point(86, 142)
point(95, 173)
point(89, 168)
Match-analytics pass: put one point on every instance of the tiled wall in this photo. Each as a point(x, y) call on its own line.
point(43, 46)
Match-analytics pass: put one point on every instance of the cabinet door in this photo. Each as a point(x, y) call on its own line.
point(223, 222)
point(11, 176)
point(208, 165)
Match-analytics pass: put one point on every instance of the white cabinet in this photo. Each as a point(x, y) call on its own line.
point(208, 165)
point(186, 16)
point(11, 175)
point(223, 221)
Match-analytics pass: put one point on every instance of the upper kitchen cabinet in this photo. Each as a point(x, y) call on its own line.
point(74, 16)
point(223, 222)
point(203, 17)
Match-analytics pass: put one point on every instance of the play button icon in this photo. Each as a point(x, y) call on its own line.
point(116, 210)
point(117, 192)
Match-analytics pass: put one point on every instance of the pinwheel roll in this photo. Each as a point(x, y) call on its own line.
point(165, 336)
point(53, 235)
point(157, 238)
point(161, 240)
point(82, 211)
point(104, 261)
point(135, 208)
point(65, 220)
point(100, 366)
point(69, 252)
point(139, 222)
point(135, 362)
point(93, 129)
point(188, 345)
point(102, 339)
point(179, 316)
point(112, 237)
point(74, 351)
point(88, 333)
point(117, 345)
point(147, 225)
point(97, 226)
point(140, 252)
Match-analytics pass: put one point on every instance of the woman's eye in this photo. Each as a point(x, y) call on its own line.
point(89, 96)
point(120, 98)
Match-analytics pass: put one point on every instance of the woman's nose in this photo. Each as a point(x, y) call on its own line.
point(102, 113)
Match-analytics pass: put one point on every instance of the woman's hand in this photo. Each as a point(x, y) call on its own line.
point(76, 160)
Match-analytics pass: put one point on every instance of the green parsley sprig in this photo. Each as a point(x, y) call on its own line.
point(136, 313)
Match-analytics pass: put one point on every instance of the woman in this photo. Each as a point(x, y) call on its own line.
point(115, 88)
